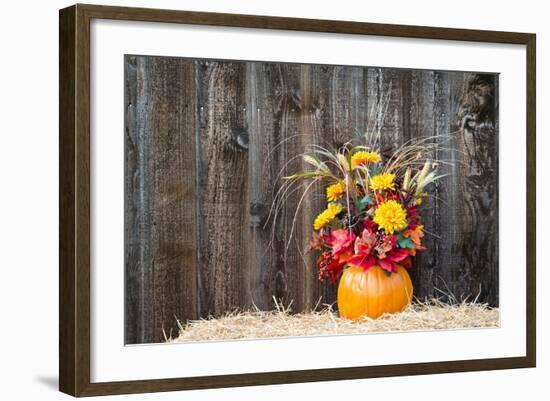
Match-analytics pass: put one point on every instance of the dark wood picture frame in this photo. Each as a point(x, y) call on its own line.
point(74, 199)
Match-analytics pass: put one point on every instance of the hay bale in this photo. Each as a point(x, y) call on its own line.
point(282, 323)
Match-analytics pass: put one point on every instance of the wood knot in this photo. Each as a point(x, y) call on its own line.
point(258, 212)
point(477, 102)
point(296, 99)
point(240, 137)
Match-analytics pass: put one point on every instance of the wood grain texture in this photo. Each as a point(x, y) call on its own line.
point(448, 258)
point(161, 263)
point(208, 142)
point(173, 225)
point(138, 190)
point(264, 99)
point(302, 24)
point(222, 186)
point(478, 122)
point(67, 210)
point(306, 92)
point(294, 276)
point(422, 124)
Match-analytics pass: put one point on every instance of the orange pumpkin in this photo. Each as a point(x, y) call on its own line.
point(372, 292)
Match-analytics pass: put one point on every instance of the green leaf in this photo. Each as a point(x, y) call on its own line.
point(375, 170)
point(404, 242)
point(364, 202)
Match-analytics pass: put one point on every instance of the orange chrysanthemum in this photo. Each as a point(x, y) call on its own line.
point(363, 158)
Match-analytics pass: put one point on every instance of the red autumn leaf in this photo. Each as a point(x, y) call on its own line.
point(387, 265)
point(365, 243)
point(365, 261)
point(397, 255)
point(340, 241)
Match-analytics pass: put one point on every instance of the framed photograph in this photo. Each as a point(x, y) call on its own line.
point(250, 200)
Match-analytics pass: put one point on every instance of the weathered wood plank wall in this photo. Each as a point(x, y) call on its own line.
point(160, 216)
point(207, 142)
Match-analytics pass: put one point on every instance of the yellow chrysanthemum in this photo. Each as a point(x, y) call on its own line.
point(383, 181)
point(362, 158)
point(327, 215)
point(390, 216)
point(335, 191)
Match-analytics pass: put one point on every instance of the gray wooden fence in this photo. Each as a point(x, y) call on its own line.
point(205, 141)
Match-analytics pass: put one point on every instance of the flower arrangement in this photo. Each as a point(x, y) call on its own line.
point(371, 216)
